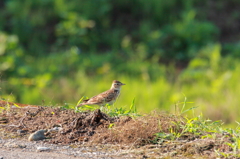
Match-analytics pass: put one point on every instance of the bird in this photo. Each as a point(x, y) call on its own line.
point(107, 97)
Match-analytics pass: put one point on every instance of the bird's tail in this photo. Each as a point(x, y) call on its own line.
point(79, 105)
point(84, 103)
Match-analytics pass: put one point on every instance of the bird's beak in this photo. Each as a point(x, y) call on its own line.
point(123, 84)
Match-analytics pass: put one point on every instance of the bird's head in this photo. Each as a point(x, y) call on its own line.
point(116, 85)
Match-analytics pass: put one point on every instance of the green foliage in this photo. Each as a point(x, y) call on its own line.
point(234, 143)
point(198, 127)
point(156, 28)
point(10, 54)
point(132, 111)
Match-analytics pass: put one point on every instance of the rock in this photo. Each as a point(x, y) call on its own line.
point(1, 157)
point(21, 132)
point(55, 129)
point(40, 149)
point(38, 135)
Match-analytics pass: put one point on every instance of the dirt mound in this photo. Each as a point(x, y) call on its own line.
point(75, 127)
point(78, 127)
point(64, 126)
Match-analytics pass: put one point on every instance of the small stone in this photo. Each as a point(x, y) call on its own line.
point(66, 147)
point(21, 132)
point(38, 135)
point(40, 149)
point(55, 129)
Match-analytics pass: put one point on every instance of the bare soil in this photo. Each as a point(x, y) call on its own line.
point(75, 127)
point(128, 137)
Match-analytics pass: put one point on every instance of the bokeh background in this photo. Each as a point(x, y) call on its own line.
point(53, 52)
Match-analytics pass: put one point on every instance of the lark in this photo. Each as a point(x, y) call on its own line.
point(107, 97)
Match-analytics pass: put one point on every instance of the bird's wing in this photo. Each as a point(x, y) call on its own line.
point(106, 96)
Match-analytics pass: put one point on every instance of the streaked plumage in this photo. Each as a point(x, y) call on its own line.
point(107, 97)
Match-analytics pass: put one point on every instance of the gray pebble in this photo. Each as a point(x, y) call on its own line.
point(38, 135)
point(55, 129)
point(40, 149)
point(21, 132)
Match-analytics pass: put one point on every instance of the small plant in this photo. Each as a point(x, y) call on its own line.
point(85, 107)
point(132, 111)
point(160, 137)
point(79, 101)
point(235, 138)
point(7, 106)
point(2, 108)
point(199, 126)
point(196, 125)
point(183, 107)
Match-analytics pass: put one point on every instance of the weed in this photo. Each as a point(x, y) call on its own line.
point(196, 126)
point(5, 105)
point(235, 140)
point(161, 137)
point(183, 107)
point(85, 107)
point(132, 111)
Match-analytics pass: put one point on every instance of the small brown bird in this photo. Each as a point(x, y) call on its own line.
point(107, 97)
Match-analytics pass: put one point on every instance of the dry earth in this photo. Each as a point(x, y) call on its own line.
point(89, 135)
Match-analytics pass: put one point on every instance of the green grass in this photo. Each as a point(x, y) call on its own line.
point(199, 127)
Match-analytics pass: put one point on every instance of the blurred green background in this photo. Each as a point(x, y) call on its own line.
point(54, 52)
